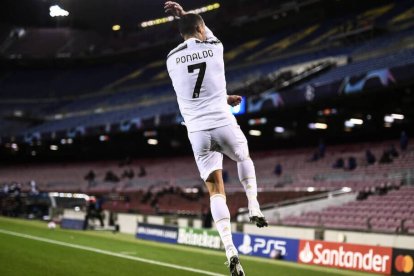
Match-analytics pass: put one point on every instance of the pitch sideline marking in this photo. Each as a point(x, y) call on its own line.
point(105, 252)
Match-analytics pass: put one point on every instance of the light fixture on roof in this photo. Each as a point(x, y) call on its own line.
point(103, 138)
point(317, 126)
point(152, 142)
point(356, 121)
point(352, 122)
point(258, 121)
point(56, 11)
point(54, 147)
point(397, 116)
point(170, 18)
point(255, 132)
point(279, 129)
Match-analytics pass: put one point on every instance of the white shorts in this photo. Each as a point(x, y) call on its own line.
point(209, 146)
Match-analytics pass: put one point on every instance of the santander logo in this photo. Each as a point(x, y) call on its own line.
point(348, 256)
point(306, 254)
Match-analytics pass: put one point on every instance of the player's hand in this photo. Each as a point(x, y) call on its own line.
point(234, 100)
point(174, 8)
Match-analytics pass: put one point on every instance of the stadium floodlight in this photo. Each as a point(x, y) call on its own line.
point(279, 129)
point(258, 121)
point(103, 138)
point(388, 119)
point(397, 116)
point(152, 142)
point(170, 18)
point(356, 121)
point(116, 28)
point(349, 124)
point(54, 147)
point(352, 122)
point(56, 11)
point(317, 126)
point(255, 132)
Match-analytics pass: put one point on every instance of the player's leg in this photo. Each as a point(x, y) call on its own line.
point(210, 165)
point(234, 144)
point(221, 217)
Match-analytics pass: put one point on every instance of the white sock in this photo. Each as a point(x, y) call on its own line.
point(247, 177)
point(221, 217)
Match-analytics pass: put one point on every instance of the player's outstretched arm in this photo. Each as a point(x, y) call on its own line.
point(234, 100)
point(174, 8)
point(177, 11)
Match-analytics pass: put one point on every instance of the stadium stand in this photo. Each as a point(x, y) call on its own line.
point(85, 87)
point(390, 211)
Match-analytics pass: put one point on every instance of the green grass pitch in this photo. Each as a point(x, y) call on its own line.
point(28, 248)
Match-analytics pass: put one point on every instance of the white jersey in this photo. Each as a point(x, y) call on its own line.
point(196, 69)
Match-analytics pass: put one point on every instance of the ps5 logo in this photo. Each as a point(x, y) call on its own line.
point(263, 246)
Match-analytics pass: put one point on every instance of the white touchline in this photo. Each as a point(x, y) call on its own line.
point(104, 252)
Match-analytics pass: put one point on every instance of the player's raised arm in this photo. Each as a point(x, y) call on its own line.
point(177, 11)
point(174, 8)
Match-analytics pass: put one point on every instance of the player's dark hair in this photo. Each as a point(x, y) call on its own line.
point(188, 23)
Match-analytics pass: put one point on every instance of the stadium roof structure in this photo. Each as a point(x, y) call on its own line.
point(91, 14)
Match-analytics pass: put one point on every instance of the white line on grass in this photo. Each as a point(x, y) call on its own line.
point(104, 252)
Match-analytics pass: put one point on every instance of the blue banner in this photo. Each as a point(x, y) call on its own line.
point(76, 224)
point(267, 247)
point(160, 233)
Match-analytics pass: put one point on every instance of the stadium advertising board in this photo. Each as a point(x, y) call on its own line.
point(267, 247)
point(371, 80)
point(199, 237)
point(402, 262)
point(74, 224)
point(158, 233)
point(348, 256)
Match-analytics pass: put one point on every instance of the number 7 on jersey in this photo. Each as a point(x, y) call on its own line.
point(202, 70)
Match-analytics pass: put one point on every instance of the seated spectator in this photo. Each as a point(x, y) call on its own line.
point(339, 163)
point(142, 171)
point(386, 157)
point(370, 157)
point(315, 157)
point(128, 174)
point(90, 177)
point(403, 141)
point(111, 177)
point(352, 163)
point(278, 169)
point(362, 195)
point(393, 151)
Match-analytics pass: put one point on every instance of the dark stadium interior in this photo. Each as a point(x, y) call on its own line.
point(79, 95)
